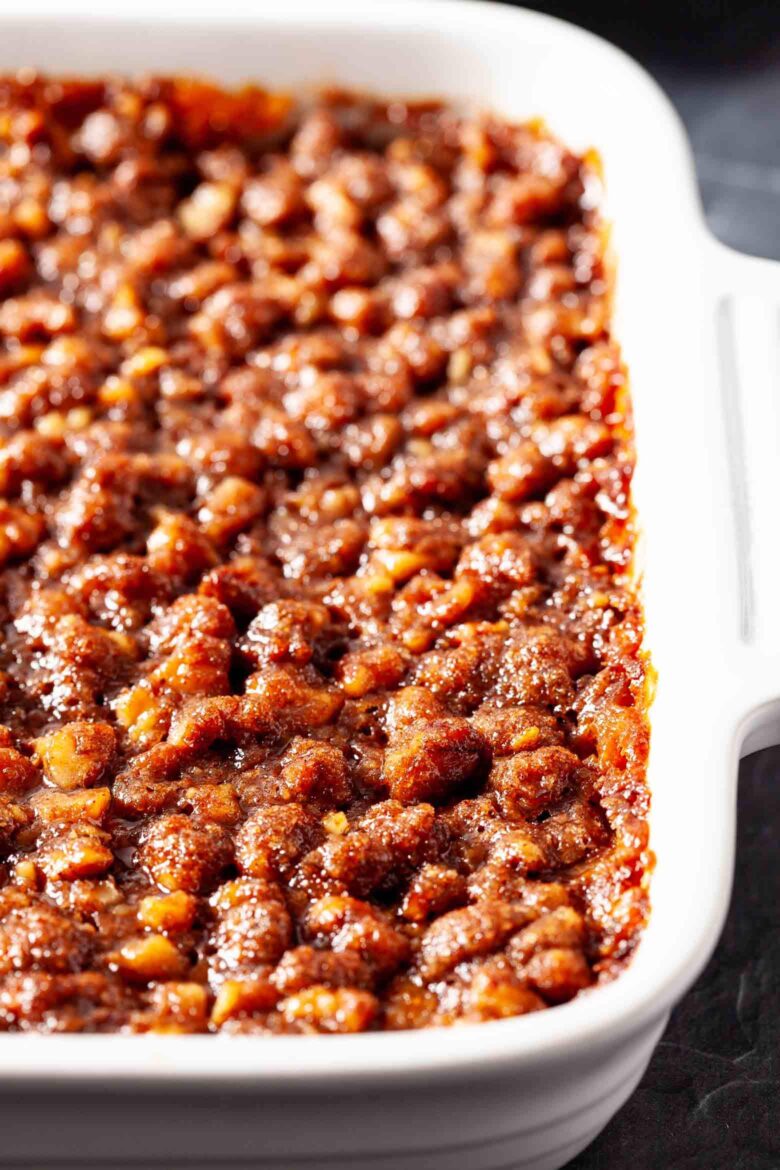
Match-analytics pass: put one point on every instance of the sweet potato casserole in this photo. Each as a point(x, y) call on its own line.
point(322, 689)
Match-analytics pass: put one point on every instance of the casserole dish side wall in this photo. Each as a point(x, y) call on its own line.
point(526, 1092)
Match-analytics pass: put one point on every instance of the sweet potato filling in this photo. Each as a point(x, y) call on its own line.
point(322, 689)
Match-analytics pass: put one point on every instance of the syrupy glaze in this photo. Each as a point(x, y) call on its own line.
point(322, 684)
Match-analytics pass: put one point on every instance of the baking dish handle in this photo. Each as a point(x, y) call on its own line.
point(748, 338)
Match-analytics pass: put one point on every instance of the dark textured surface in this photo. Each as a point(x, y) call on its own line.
point(719, 61)
point(731, 112)
point(711, 1097)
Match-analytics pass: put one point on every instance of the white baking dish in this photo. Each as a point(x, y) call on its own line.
point(699, 329)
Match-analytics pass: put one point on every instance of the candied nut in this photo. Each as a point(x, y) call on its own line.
point(306, 966)
point(26, 873)
point(514, 729)
point(291, 699)
point(558, 973)
point(600, 369)
point(208, 210)
point(144, 361)
point(170, 913)
point(495, 992)
point(509, 873)
point(523, 472)
point(198, 665)
point(199, 722)
point(31, 458)
point(273, 838)
point(229, 507)
point(86, 897)
point(123, 317)
point(189, 615)
point(432, 759)
point(433, 889)
point(181, 854)
point(576, 829)
point(539, 667)
point(427, 606)
point(36, 936)
point(335, 822)
point(245, 889)
point(521, 198)
point(142, 714)
point(518, 850)
point(370, 443)
point(410, 231)
point(241, 997)
point(560, 927)
point(357, 308)
point(73, 806)
point(78, 852)
point(320, 1009)
point(285, 631)
point(212, 802)
point(14, 819)
point(17, 773)
point(490, 259)
point(36, 316)
point(465, 934)
point(77, 755)
point(408, 706)
point(274, 197)
point(350, 924)
point(253, 927)
point(503, 558)
point(179, 1008)
point(380, 849)
point(372, 669)
point(195, 286)
point(408, 1004)
point(530, 781)
point(100, 137)
point(314, 771)
point(177, 548)
point(14, 265)
point(20, 531)
point(239, 316)
point(150, 957)
point(317, 138)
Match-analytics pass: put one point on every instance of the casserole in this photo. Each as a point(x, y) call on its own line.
point(694, 321)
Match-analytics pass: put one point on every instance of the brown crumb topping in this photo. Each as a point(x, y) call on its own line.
point(322, 695)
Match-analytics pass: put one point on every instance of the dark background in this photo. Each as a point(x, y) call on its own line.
point(710, 1099)
point(719, 61)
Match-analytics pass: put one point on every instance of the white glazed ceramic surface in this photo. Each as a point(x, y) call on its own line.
point(698, 324)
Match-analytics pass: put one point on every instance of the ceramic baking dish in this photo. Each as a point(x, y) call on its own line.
point(699, 326)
